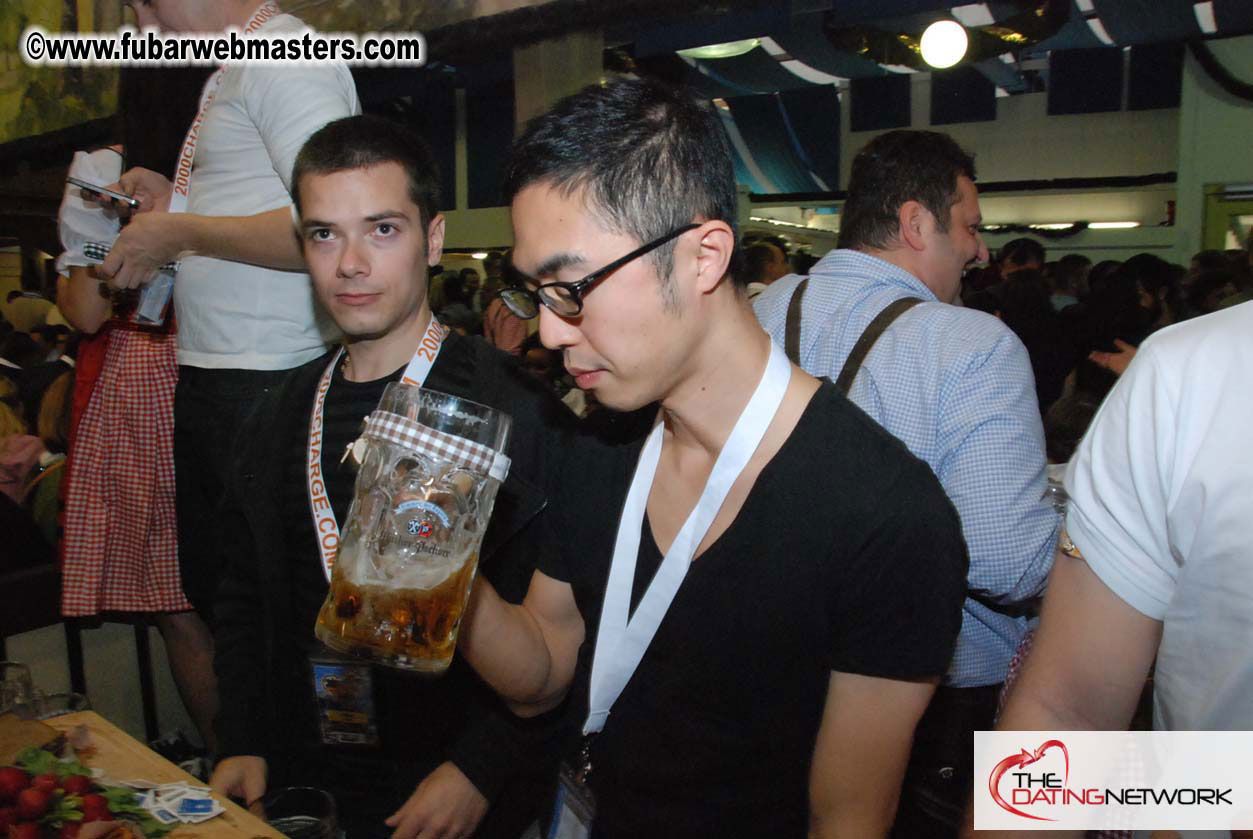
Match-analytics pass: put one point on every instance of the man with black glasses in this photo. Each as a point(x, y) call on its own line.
point(757, 587)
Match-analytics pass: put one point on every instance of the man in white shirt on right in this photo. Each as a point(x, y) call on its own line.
point(1159, 561)
point(244, 303)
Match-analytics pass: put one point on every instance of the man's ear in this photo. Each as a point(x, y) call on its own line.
point(716, 244)
point(435, 240)
point(913, 218)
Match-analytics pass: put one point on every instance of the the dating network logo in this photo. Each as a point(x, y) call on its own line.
point(1098, 780)
point(1046, 784)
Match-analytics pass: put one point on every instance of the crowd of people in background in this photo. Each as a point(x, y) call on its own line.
point(1080, 321)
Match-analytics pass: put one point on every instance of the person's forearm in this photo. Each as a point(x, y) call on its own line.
point(1027, 711)
point(266, 239)
point(507, 648)
point(80, 300)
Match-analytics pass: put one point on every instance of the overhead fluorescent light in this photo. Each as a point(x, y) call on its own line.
point(479, 255)
point(1205, 17)
point(730, 49)
point(1095, 225)
point(778, 222)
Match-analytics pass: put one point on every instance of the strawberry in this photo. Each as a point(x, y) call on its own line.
point(95, 808)
point(46, 782)
point(96, 800)
point(24, 830)
point(32, 803)
point(76, 784)
point(12, 781)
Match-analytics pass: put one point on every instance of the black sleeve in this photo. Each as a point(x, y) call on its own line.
point(502, 747)
point(499, 747)
point(239, 626)
point(896, 606)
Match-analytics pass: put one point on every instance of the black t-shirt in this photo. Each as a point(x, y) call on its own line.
point(845, 556)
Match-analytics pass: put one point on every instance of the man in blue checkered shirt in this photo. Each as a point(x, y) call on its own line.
point(955, 385)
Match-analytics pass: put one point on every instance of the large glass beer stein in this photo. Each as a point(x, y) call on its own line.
point(409, 549)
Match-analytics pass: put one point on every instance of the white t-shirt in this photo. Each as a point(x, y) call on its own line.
point(231, 314)
point(1161, 506)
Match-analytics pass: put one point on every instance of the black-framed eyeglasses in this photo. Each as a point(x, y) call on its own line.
point(566, 299)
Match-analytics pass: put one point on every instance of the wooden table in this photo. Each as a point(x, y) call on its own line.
point(122, 757)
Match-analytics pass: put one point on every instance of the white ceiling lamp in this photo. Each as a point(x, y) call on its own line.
point(944, 44)
point(728, 50)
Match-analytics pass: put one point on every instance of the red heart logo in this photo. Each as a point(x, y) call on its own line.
point(1024, 758)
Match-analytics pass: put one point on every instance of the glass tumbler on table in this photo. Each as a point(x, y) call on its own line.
point(17, 691)
point(302, 813)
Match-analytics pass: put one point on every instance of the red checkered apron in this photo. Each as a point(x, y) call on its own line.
point(120, 548)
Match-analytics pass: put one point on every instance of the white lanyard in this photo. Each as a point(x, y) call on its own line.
point(325, 527)
point(620, 644)
point(182, 173)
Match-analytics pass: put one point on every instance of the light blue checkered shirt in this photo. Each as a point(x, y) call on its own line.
point(955, 386)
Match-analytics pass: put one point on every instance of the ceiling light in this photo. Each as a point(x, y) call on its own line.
point(778, 222)
point(1113, 225)
point(944, 44)
point(728, 50)
point(479, 255)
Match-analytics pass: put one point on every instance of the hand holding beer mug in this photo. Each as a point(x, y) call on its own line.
point(409, 549)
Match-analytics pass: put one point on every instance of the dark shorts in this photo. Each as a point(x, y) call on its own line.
point(209, 407)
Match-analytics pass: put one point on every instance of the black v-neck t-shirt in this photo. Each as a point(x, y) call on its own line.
point(846, 556)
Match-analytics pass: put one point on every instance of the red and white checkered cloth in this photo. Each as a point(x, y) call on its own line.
point(402, 431)
point(120, 548)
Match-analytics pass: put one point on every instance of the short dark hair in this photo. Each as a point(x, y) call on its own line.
point(1022, 251)
point(756, 257)
point(894, 168)
point(651, 158)
point(361, 142)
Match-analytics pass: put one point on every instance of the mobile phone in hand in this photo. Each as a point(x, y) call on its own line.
point(129, 201)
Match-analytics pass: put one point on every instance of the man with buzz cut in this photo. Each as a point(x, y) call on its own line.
point(446, 750)
point(878, 316)
point(757, 588)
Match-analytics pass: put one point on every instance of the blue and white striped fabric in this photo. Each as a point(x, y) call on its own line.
point(955, 385)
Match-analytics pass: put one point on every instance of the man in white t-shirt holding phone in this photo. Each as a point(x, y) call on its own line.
point(244, 305)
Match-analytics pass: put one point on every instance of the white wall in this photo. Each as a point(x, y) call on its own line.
point(1215, 135)
point(1025, 143)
